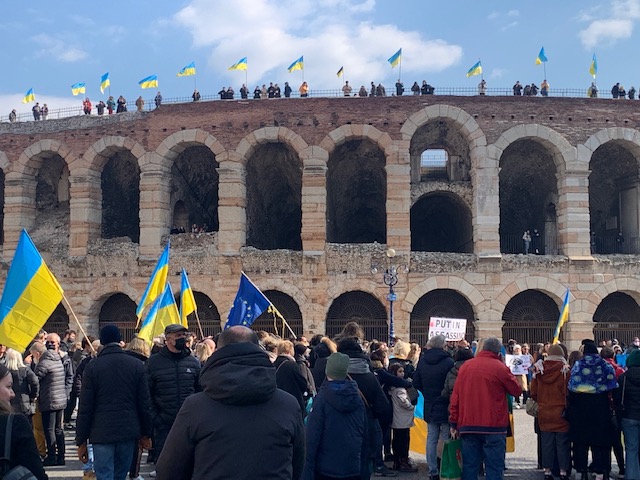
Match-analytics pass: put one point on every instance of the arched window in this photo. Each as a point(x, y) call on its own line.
point(360, 307)
point(531, 316)
point(288, 308)
point(442, 302)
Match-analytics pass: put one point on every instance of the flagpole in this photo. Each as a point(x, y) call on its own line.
point(400, 69)
point(77, 321)
point(198, 322)
point(544, 64)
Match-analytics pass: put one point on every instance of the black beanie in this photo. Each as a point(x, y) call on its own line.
point(110, 334)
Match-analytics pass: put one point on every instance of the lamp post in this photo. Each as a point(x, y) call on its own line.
point(390, 279)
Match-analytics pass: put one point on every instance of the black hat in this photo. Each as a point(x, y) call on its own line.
point(173, 328)
point(110, 334)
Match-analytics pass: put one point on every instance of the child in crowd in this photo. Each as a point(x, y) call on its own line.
point(401, 423)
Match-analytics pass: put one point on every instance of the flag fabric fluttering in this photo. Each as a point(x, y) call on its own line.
point(541, 58)
point(162, 313)
point(156, 282)
point(249, 304)
point(31, 294)
point(239, 65)
point(396, 58)
point(78, 88)
point(104, 82)
point(297, 65)
point(188, 70)
point(340, 72)
point(475, 70)
point(149, 82)
point(187, 299)
point(29, 96)
point(593, 69)
point(563, 318)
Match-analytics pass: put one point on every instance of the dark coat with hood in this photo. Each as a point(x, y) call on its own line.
point(26, 388)
point(23, 445)
point(336, 428)
point(321, 352)
point(241, 426)
point(450, 380)
point(114, 401)
point(50, 371)
point(172, 378)
point(549, 389)
point(629, 382)
point(432, 370)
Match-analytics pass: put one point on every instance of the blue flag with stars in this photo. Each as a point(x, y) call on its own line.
point(250, 302)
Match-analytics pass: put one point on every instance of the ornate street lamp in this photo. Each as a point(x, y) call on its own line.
point(390, 279)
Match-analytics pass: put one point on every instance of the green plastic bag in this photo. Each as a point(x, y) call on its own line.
point(451, 464)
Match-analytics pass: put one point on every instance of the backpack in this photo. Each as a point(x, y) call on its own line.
point(16, 473)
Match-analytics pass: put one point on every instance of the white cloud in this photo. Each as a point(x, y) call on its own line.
point(493, 15)
point(329, 33)
point(58, 48)
point(608, 26)
point(509, 26)
point(497, 73)
point(513, 13)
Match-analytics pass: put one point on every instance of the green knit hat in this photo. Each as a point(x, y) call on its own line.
point(337, 366)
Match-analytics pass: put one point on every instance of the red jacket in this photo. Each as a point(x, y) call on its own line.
point(479, 399)
point(617, 368)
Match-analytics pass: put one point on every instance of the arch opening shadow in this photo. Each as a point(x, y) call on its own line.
point(194, 185)
point(442, 302)
point(617, 316)
point(52, 198)
point(58, 321)
point(207, 313)
point(360, 307)
point(119, 310)
point(274, 198)
point(289, 309)
point(441, 222)
point(357, 194)
point(528, 198)
point(120, 182)
point(531, 316)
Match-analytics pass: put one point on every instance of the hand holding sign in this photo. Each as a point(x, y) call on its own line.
point(453, 329)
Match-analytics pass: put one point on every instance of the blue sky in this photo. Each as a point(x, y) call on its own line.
point(55, 44)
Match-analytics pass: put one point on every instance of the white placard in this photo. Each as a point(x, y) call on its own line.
point(453, 329)
point(518, 364)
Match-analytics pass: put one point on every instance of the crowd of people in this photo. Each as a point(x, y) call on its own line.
point(327, 408)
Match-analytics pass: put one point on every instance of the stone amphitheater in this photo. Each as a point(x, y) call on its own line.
point(307, 195)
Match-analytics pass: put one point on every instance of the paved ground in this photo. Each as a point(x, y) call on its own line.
point(521, 464)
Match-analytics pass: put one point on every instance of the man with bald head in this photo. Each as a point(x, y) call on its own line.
point(251, 429)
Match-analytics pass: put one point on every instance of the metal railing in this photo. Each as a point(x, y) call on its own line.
point(544, 245)
point(611, 245)
point(530, 332)
point(327, 93)
point(624, 332)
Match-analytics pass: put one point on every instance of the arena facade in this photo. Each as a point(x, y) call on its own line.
point(306, 195)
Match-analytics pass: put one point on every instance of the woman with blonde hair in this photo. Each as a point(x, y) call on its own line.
point(139, 348)
point(400, 354)
point(204, 350)
point(25, 384)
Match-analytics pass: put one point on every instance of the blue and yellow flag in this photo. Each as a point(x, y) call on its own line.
point(78, 88)
point(297, 65)
point(104, 82)
point(563, 318)
point(156, 282)
point(149, 82)
point(396, 58)
point(340, 72)
point(475, 70)
point(187, 300)
point(249, 304)
point(188, 70)
point(541, 58)
point(593, 69)
point(29, 96)
point(31, 294)
point(239, 65)
point(162, 313)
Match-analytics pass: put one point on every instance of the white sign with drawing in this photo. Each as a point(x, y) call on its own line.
point(453, 329)
point(518, 364)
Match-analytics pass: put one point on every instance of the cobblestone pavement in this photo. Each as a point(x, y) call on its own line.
point(521, 464)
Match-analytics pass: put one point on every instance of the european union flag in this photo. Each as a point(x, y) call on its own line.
point(249, 304)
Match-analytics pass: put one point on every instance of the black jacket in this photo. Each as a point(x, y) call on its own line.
point(51, 373)
point(23, 445)
point(290, 379)
point(429, 378)
point(172, 378)
point(629, 382)
point(77, 382)
point(26, 388)
point(114, 400)
point(321, 353)
point(241, 426)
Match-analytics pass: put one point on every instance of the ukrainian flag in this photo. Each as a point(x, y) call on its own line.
point(78, 88)
point(163, 312)
point(188, 70)
point(249, 304)
point(541, 57)
point(187, 300)
point(563, 318)
point(340, 72)
point(104, 82)
point(297, 65)
point(149, 82)
point(156, 282)
point(29, 96)
point(396, 58)
point(31, 294)
point(593, 69)
point(475, 70)
point(239, 65)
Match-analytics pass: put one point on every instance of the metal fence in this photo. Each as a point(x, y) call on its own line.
point(545, 245)
point(530, 332)
point(623, 331)
point(329, 93)
point(611, 244)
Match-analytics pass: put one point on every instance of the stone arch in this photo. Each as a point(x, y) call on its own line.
point(530, 316)
point(628, 285)
point(457, 284)
point(362, 307)
point(346, 133)
point(290, 310)
point(617, 316)
point(4, 162)
point(249, 143)
point(31, 158)
point(58, 321)
point(118, 309)
point(208, 314)
point(99, 153)
point(629, 136)
point(177, 142)
point(291, 289)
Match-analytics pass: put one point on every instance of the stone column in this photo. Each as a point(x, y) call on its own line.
point(573, 213)
point(155, 214)
point(232, 204)
point(19, 209)
point(486, 204)
point(314, 199)
point(85, 205)
point(398, 170)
